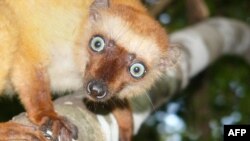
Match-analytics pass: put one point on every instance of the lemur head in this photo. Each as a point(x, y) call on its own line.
point(126, 48)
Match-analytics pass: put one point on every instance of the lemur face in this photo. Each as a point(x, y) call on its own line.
point(111, 68)
point(125, 49)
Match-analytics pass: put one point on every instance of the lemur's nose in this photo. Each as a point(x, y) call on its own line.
point(97, 89)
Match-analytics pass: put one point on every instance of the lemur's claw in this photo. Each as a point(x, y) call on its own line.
point(59, 128)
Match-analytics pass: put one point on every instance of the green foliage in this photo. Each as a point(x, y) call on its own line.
point(222, 98)
point(178, 15)
point(238, 9)
point(219, 95)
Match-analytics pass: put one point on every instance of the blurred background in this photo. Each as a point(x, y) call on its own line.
point(217, 96)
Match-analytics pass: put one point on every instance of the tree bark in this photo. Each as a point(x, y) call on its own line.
point(197, 11)
point(192, 50)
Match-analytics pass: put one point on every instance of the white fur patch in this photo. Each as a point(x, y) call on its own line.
point(110, 129)
point(63, 72)
point(139, 118)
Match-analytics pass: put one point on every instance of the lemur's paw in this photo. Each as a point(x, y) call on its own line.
point(59, 128)
point(15, 131)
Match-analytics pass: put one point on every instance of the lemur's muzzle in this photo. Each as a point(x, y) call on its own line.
point(97, 89)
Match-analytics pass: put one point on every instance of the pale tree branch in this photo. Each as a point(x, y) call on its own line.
point(193, 49)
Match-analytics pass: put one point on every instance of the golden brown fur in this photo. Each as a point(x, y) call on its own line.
point(44, 47)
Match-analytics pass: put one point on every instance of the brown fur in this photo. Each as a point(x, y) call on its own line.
point(125, 121)
point(115, 24)
point(148, 27)
point(38, 37)
point(118, 23)
point(111, 67)
point(14, 131)
point(27, 32)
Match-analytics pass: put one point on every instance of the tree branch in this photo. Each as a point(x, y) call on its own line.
point(197, 11)
point(193, 49)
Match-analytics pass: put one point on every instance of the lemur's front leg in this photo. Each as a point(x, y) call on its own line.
point(123, 115)
point(32, 85)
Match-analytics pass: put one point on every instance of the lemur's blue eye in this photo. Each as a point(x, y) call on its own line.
point(137, 70)
point(97, 44)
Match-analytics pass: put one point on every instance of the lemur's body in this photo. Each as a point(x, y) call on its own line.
point(111, 48)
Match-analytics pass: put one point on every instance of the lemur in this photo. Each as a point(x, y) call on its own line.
point(110, 48)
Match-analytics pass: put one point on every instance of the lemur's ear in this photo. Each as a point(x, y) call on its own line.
point(170, 60)
point(100, 3)
point(96, 6)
